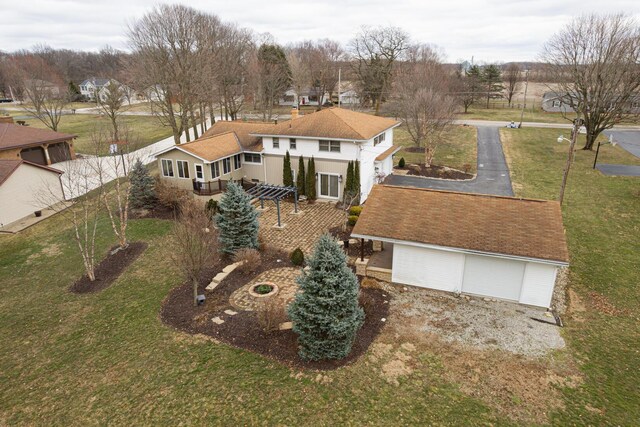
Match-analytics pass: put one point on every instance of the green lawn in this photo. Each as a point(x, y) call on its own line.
point(457, 149)
point(144, 130)
point(535, 114)
point(603, 229)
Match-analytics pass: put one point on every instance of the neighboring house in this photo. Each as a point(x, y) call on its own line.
point(349, 97)
point(26, 188)
point(555, 102)
point(255, 152)
point(42, 87)
point(40, 146)
point(153, 93)
point(91, 87)
point(491, 246)
point(307, 96)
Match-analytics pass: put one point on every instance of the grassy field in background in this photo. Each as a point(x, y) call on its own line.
point(144, 130)
point(603, 229)
point(458, 148)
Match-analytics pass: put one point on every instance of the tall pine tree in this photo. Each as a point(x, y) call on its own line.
point(287, 174)
point(311, 180)
point(356, 177)
point(301, 178)
point(142, 194)
point(237, 220)
point(348, 187)
point(325, 313)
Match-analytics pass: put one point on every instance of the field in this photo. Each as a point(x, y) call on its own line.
point(603, 225)
point(457, 148)
point(144, 130)
point(107, 358)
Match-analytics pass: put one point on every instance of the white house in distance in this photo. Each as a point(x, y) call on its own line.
point(255, 152)
point(490, 246)
point(26, 188)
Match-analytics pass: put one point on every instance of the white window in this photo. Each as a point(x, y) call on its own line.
point(199, 172)
point(333, 146)
point(252, 158)
point(226, 165)
point(329, 186)
point(215, 170)
point(378, 139)
point(276, 142)
point(167, 167)
point(292, 144)
point(557, 104)
point(237, 162)
point(183, 168)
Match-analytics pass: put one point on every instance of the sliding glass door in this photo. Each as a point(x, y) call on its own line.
point(329, 186)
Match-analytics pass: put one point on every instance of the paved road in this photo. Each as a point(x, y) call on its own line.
point(629, 140)
point(618, 170)
point(493, 173)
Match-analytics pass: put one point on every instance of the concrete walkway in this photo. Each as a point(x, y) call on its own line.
point(493, 172)
point(618, 170)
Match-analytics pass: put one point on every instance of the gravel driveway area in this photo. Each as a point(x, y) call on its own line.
point(473, 321)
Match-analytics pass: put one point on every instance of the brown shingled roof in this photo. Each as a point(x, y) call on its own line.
point(213, 147)
point(484, 223)
point(243, 131)
point(13, 136)
point(334, 122)
point(388, 152)
point(9, 166)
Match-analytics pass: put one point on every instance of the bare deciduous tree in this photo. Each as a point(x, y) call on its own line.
point(194, 242)
point(513, 79)
point(594, 61)
point(375, 52)
point(110, 101)
point(424, 100)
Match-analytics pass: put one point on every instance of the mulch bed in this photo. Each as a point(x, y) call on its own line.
point(157, 212)
point(109, 269)
point(243, 330)
point(435, 171)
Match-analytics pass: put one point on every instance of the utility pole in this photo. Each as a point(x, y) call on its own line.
point(339, 81)
point(574, 136)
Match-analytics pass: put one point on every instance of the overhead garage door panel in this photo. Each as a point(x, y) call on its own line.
point(427, 268)
point(494, 277)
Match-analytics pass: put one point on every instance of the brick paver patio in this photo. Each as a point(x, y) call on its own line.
point(301, 230)
point(284, 278)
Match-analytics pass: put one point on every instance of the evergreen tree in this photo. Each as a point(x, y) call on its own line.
point(237, 220)
point(325, 313)
point(287, 174)
point(491, 78)
point(356, 177)
point(142, 194)
point(311, 180)
point(348, 187)
point(301, 178)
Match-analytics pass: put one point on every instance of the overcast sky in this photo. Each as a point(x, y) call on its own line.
point(489, 30)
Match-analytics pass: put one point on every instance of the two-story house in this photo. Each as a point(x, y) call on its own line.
point(255, 152)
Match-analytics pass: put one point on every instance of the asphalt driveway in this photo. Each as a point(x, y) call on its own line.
point(493, 173)
point(627, 139)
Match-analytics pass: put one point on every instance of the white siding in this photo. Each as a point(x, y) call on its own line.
point(27, 190)
point(311, 147)
point(492, 276)
point(537, 286)
point(368, 154)
point(427, 268)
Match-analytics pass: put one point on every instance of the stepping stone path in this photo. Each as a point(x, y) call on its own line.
point(230, 312)
point(284, 277)
point(217, 320)
point(223, 275)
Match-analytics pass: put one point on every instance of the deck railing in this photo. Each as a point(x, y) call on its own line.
point(210, 188)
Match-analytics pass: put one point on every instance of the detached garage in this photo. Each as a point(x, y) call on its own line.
point(490, 246)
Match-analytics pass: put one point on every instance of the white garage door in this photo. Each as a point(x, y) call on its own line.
point(494, 277)
point(427, 268)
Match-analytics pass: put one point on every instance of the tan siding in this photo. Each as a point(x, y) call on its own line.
point(27, 190)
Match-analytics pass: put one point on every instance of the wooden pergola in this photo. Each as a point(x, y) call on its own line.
point(274, 192)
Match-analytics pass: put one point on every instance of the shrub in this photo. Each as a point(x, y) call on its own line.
point(237, 220)
point(271, 312)
point(142, 193)
point(249, 257)
point(367, 302)
point(370, 283)
point(297, 257)
point(466, 168)
point(212, 208)
point(170, 196)
point(401, 162)
point(325, 312)
point(352, 220)
point(355, 210)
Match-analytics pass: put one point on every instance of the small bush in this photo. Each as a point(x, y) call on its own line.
point(401, 162)
point(271, 312)
point(250, 258)
point(355, 210)
point(170, 196)
point(370, 283)
point(212, 208)
point(466, 168)
point(367, 302)
point(352, 220)
point(297, 257)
